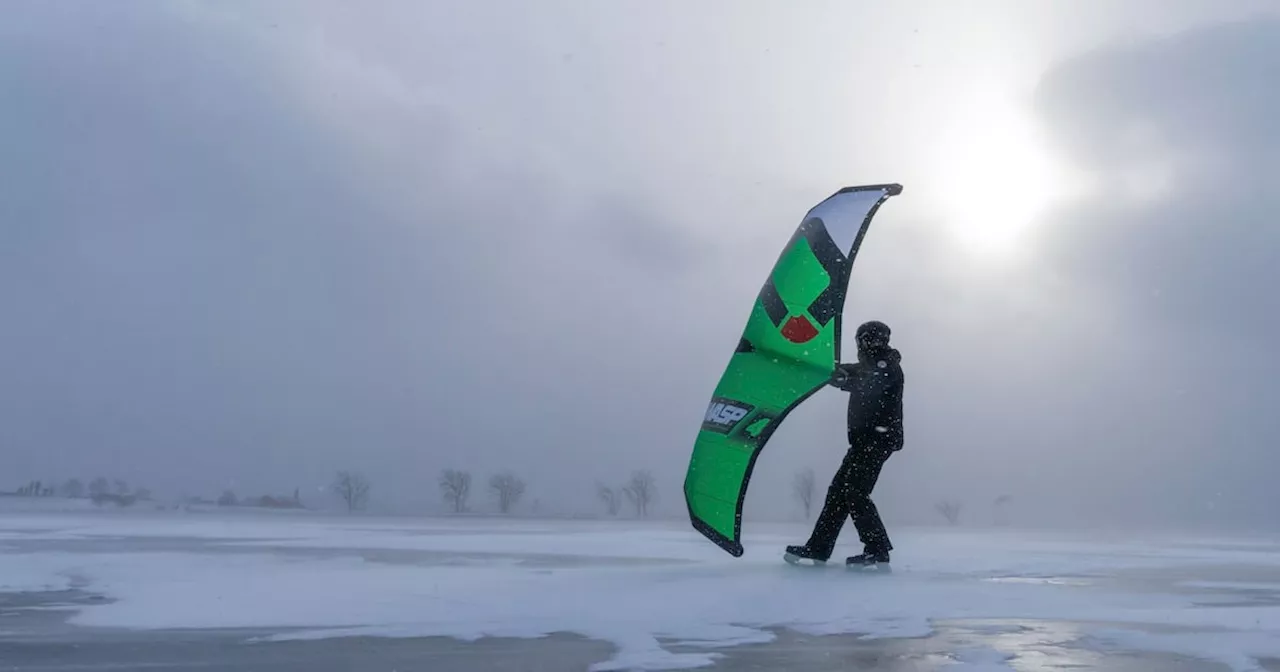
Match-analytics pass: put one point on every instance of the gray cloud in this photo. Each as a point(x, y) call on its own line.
point(251, 248)
point(1181, 246)
point(1193, 110)
point(206, 285)
point(199, 272)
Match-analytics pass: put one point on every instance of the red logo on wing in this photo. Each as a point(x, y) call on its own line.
point(799, 329)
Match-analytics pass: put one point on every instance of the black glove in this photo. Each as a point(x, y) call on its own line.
point(840, 376)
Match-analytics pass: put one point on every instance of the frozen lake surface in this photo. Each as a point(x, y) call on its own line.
point(166, 590)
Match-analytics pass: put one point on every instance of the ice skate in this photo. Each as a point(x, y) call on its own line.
point(796, 554)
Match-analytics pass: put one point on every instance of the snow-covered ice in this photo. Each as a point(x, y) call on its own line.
point(980, 660)
point(20, 573)
point(648, 588)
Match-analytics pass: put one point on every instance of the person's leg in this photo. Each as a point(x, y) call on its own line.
point(822, 542)
point(867, 464)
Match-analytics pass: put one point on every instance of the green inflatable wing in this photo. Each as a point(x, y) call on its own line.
point(787, 352)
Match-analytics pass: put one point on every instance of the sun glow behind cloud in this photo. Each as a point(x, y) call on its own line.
point(991, 176)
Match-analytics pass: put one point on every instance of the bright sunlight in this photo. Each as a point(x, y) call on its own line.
point(992, 176)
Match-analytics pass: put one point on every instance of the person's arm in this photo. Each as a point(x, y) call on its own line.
point(842, 378)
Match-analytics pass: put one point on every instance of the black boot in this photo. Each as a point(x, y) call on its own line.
point(795, 553)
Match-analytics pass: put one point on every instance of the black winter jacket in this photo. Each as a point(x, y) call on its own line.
point(875, 398)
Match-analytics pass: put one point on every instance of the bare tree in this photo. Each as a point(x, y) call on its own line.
point(228, 498)
point(949, 510)
point(507, 488)
point(352, 488)
point(612, 501)
point(999, 510)
point(456, 486)
point(804, 486)
point(99, 486)
point(641, 489)
point(73, 488)
point(122, 487)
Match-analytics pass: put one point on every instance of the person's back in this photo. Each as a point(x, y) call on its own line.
point(875, 385)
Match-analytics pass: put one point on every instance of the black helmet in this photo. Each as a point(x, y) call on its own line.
point(874, 331)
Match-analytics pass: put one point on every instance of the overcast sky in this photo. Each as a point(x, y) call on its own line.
point(248, 244)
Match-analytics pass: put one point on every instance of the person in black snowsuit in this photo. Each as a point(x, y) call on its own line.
point(875, 430)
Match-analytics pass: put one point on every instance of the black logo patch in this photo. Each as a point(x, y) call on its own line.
point(724, 414)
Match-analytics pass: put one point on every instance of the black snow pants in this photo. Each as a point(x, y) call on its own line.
point(850, 495)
